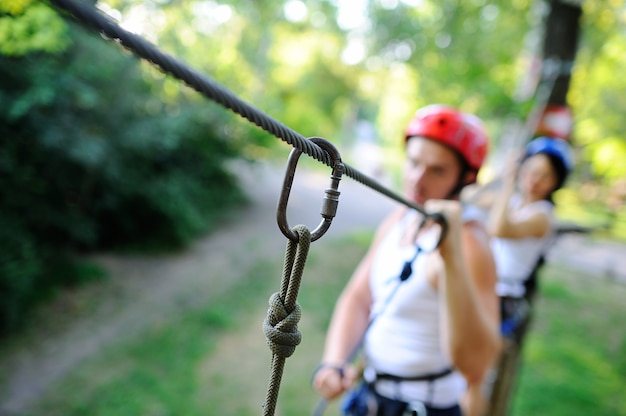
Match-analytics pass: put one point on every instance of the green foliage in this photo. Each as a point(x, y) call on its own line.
point(31, 269)
point(573, 359)
point(109, 161)
point(596, 93)
point(20, 268)
point(474, 54)
point(27, 26)
point(93, 159)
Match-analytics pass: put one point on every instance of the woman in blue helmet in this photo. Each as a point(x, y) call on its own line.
point(521, 221)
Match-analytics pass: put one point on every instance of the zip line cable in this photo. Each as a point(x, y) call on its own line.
point(95, 19)
point(551, 71)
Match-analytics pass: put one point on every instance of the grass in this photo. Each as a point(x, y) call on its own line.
point(574, 359)
point(214, 360)
point(571, 206)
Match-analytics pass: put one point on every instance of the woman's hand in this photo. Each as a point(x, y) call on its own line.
point(511, 169)
point(330, 381)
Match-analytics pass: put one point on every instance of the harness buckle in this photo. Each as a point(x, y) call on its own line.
point(415, 408)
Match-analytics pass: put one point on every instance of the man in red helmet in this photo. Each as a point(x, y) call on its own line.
point(429, 336)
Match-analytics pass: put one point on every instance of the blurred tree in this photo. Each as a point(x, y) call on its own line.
point(318, 66)
point(378, 58)
point(29, 26)
point(597, 91)
point(97, 152)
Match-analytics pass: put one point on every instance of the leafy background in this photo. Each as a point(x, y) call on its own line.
point(102, 152)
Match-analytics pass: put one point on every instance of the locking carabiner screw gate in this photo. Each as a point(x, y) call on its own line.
point(331, 197)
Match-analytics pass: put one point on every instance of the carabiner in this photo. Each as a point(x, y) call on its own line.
point(331, 198)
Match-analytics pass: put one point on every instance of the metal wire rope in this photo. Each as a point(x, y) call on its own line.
point(552, 69)
point(95, 19)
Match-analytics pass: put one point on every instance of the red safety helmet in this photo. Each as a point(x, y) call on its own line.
point(463, 132)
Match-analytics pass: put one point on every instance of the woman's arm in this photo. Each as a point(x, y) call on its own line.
point(470, 308)
point(502, 225)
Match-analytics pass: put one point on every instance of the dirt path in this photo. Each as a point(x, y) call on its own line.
point(142, 291)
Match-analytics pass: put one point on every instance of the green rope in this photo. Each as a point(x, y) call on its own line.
point(281, 323)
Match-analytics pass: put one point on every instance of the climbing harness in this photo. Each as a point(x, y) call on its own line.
point(514, 313)
point(366, 401)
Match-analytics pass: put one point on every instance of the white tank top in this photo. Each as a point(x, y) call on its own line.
point(404, 339)
point(516, 258)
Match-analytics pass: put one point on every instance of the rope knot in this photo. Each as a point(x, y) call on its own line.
point(281, 327)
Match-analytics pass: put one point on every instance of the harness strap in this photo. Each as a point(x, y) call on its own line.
point(424, 377)
point(412, 407)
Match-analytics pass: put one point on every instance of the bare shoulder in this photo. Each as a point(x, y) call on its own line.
point(475, 235)
point(478, 254)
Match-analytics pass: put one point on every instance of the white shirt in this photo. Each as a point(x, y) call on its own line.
point(516, 258)
point(405, 338)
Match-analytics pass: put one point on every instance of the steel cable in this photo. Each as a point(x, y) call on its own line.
point(93, 18)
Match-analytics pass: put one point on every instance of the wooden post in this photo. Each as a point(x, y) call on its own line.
point(561, 34)
point(562, 29)
point(507, 369)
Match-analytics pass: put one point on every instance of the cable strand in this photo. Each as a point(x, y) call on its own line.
point(93, 18)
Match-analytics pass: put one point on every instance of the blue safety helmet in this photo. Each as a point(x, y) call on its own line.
point(558, 148)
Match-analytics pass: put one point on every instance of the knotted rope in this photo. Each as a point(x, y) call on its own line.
point(281, 323)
